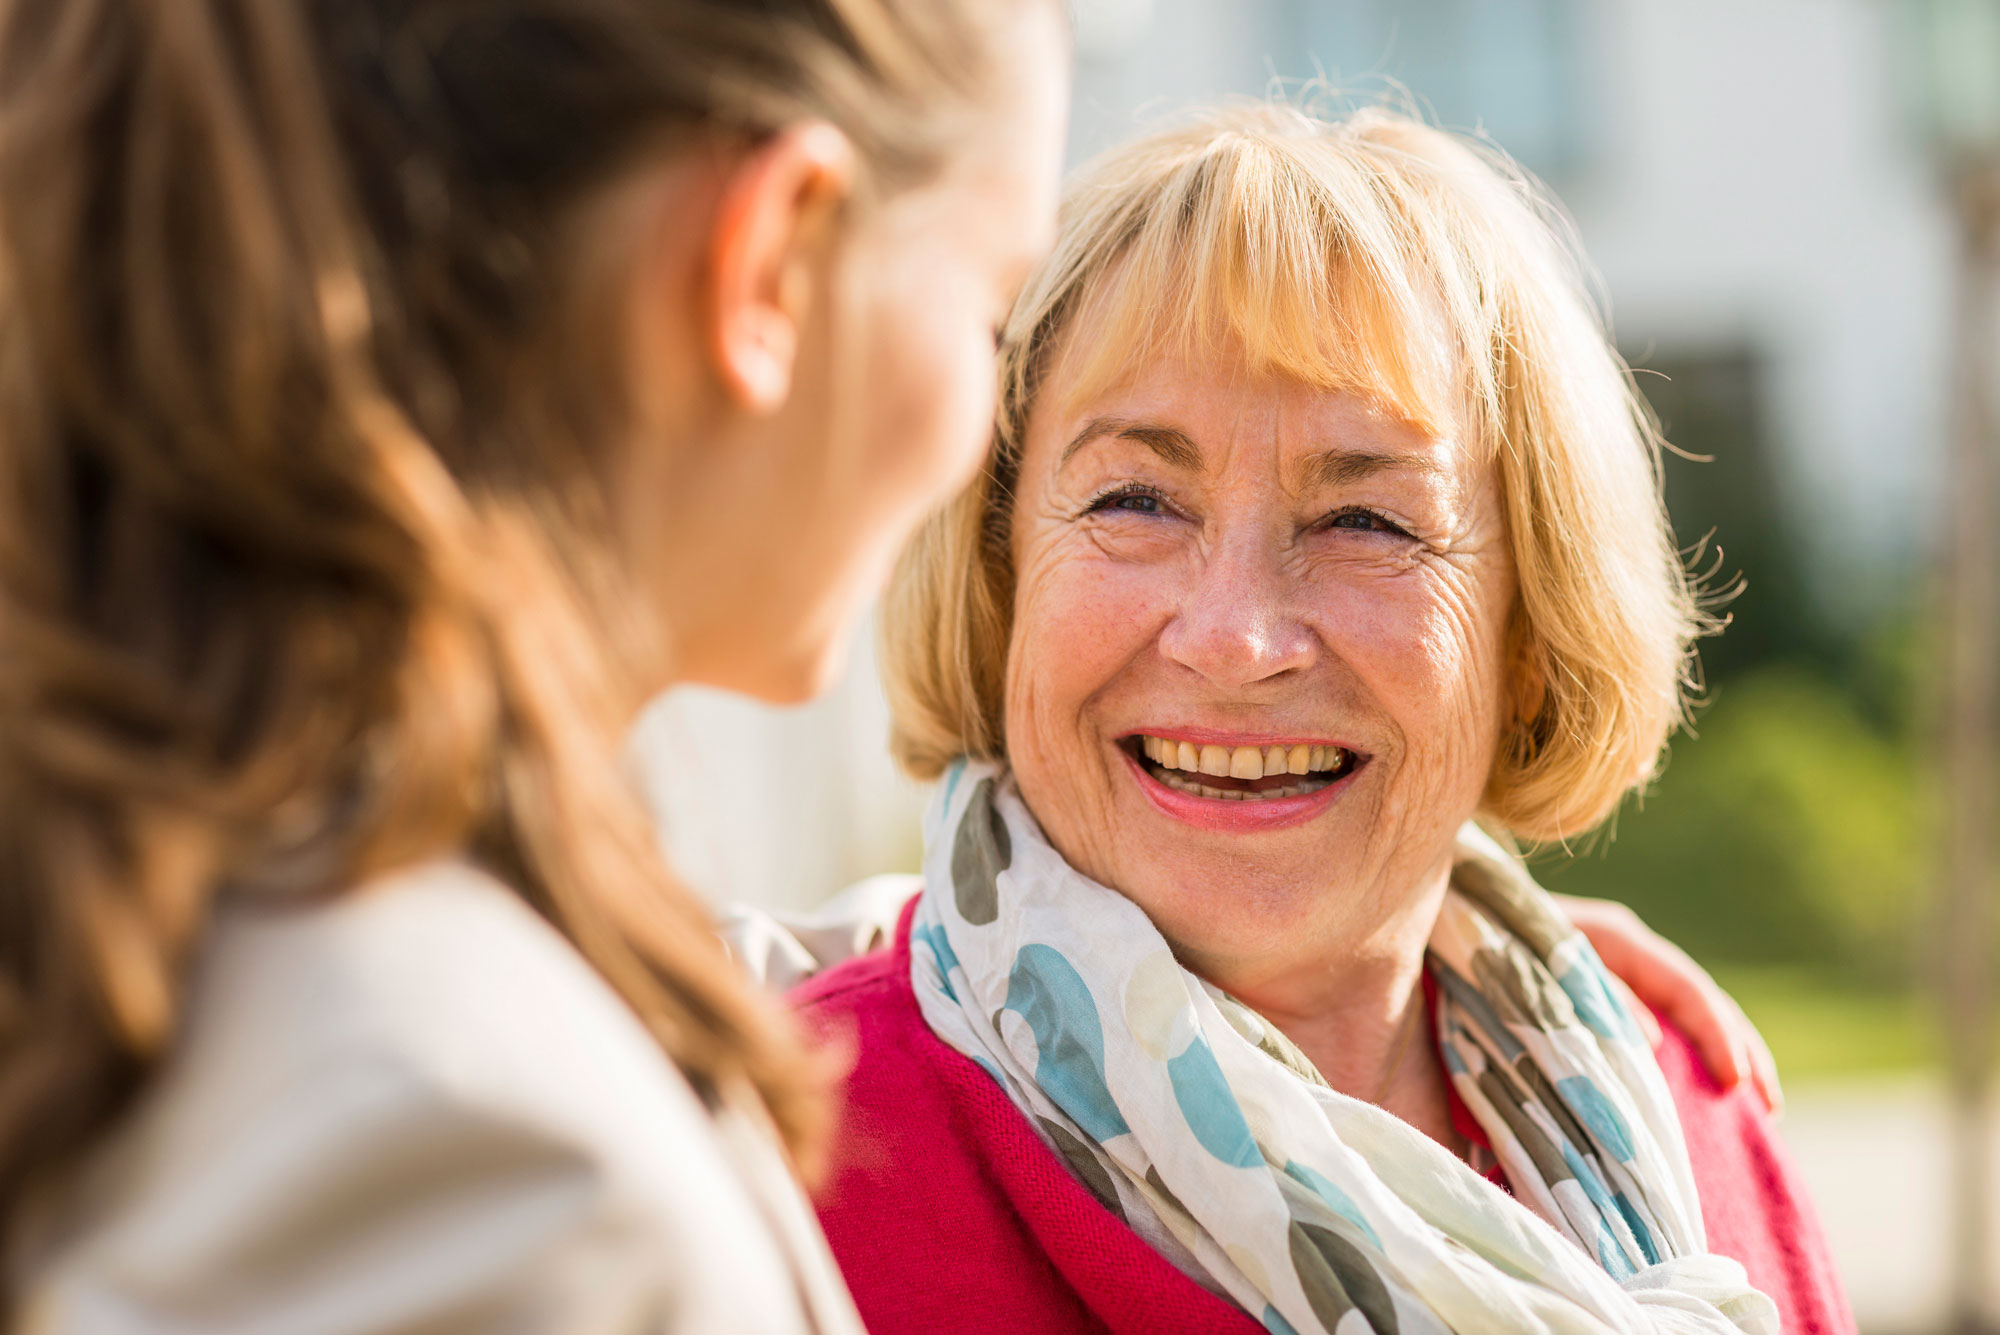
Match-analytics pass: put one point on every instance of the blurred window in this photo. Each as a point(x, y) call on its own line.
point(1511, 68)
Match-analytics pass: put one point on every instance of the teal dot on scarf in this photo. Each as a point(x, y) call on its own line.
point(932, 937)
point(1587, 1101)
point(1587, 1178)
point(1639, 1229)
point(951, 778)
point(1210, 1107)
point(1274, 1321)
point(1584, 982)
point(1045, 990)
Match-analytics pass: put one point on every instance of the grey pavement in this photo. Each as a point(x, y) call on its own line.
point(1876, 1157)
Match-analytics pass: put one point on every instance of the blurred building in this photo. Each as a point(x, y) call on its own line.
point(1742, 172)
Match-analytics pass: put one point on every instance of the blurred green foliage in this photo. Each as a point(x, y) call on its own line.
point(1785, 832)
point(1817, 1026)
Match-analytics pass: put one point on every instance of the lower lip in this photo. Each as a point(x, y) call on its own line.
point(1217, 813)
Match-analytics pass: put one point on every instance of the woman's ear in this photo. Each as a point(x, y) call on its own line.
point(775, 224)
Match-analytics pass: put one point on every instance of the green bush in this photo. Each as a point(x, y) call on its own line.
point(1786, 832)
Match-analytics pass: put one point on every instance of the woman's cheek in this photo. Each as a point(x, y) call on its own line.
point(1425, 659)
point(1074, 636)
point(1078, 623)
point(1075, 614)
point(970, 400)
point(1429, 631)
point(940, 382)
point(1379, 632)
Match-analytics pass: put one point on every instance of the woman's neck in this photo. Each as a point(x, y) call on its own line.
point(1382, 1053)
point(1359, 1015)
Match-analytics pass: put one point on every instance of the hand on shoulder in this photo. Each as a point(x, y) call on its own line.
point(1661, 976)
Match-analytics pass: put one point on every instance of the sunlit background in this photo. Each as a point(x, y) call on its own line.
point(1762, 186)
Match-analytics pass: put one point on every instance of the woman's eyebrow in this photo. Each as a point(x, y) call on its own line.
point(1170, 443)
point(1335, 468)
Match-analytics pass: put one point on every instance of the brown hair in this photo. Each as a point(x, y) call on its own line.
point(297, 462)
point(1326, 248)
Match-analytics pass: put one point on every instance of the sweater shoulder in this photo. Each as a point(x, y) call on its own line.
point(1754, 1202)
point(869, 1002)
point(415, 1105)
point(867, 982)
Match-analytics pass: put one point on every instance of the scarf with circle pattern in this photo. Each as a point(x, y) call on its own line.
point(1210, 1134)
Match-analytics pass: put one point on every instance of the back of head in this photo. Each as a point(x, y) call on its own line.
point(1372, 254)
point(302, 436)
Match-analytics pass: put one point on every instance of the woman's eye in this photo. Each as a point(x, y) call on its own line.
point(1363, 521)
point(1133, 502)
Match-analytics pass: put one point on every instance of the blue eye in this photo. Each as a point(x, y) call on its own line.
point(1363, 521)
point(1133, 500)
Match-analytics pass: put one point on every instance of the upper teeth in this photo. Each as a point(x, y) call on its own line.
point(1241, 762)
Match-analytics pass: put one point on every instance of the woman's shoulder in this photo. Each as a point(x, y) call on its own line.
point(869, 1000)
point(867, 984)
point(412, 1103)
point(905, 1192)
point(907, 1087)
point(868, 1005)
point(936, 1173)
point(1754, 1204)
point(441, 972)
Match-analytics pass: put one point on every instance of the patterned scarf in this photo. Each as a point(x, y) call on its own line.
point(1213, 1136)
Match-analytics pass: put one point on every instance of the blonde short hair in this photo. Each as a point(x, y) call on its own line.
point(1330, 251)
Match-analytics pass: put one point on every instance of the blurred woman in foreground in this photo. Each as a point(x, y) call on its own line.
point(393, 396)
point(1321, 550)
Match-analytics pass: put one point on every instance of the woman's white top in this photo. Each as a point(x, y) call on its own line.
point(416, 1107)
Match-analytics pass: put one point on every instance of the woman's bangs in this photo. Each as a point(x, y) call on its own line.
point(1257, 259)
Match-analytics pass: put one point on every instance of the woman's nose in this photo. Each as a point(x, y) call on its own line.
point(1238, 624)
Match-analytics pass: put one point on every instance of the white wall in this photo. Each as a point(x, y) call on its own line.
point(1757, 178)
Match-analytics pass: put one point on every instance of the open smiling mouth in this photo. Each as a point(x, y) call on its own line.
point(1240, 773)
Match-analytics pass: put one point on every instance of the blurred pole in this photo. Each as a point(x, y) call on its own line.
point(1971, 740)
point(1952, 78)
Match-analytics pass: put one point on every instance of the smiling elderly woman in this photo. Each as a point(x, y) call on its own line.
point(1321, 552)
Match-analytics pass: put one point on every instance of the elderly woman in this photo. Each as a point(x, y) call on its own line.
point(1321, 556)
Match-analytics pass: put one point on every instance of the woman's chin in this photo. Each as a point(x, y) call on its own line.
point(792, 673)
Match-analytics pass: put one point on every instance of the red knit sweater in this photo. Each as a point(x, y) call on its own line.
point(948, 1213)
